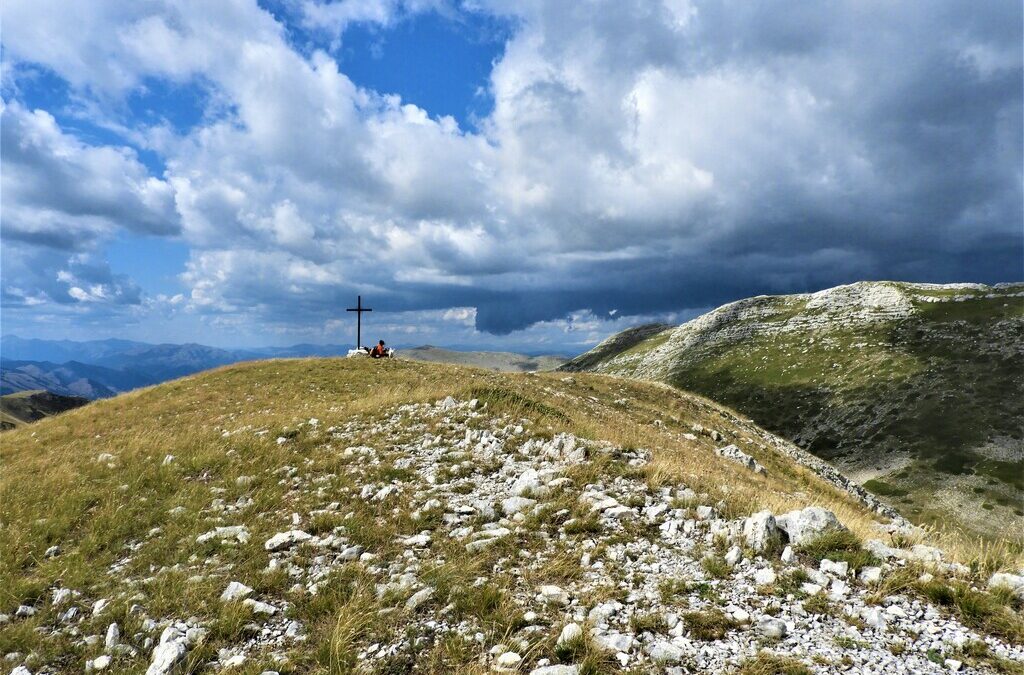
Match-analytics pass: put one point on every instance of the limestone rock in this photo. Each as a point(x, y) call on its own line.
point(235, 591)
point(732, 452)
point(803, 525)
point(760, 530)
point(285, 540)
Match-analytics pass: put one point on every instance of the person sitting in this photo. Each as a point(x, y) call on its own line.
point(380, 351)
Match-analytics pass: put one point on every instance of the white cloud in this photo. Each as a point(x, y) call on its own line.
point(63, 193)
point(640, 157)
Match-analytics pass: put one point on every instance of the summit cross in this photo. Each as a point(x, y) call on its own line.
point(359, 309)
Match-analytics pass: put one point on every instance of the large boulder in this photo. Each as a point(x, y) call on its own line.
point(169, 654)
point(760, 531)
point(1012, 582)
point(804, 525)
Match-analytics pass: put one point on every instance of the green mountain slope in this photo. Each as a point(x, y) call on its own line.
point(917, 390)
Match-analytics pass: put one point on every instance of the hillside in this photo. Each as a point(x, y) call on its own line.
point(915, 389)
point(339, 515)
point(31, 406)
point(103, 368)
point(500, 361)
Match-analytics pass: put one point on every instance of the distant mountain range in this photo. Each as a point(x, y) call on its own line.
point(104, 368)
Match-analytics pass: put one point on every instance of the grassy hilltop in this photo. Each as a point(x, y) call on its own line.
point(916, 390)
point(110, 514)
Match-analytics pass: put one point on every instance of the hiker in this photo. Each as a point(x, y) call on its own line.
point(380, 351)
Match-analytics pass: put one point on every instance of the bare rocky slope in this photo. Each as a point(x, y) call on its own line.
point(917, 390)
point(501, 361)
point(334, 516)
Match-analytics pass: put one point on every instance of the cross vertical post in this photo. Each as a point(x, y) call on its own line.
point(359, 309)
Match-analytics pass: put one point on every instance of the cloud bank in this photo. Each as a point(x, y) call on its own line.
point(640, 158)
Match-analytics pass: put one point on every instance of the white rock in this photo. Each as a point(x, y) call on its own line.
point(954, 665)
point(873, 617)
point(1012, 582)
point(552, 595)
point(526, 483)
point(508, 662)
point(98, 663)
point(773, 629)
point(704, 512)
point(840, 569)
point(760, 530)
point(21, 670)
point(284, 540)
point(166, 657)
point(236, 590)
point(925, 554)
point(764, 577)
point(613, 641)
point(570, 633)
point(99, 606)
point(514, 505)
point(556, 670)
point(421, 540)
point(239, 533)
point(733, 453)
point(838, 589)
point(788, 556)
point(258, 607)
point(113, 637)
point(803, 525)
point(234, 661)
point(733, 556)
point(663, 651)
point(52, 552)
point(418, 598)
point(871, 575)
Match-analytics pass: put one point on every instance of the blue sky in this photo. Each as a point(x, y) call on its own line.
point(514, 175)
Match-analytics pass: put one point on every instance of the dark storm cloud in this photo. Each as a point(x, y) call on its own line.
point(647, 158)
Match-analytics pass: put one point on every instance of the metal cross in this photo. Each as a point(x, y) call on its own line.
point(359, 309)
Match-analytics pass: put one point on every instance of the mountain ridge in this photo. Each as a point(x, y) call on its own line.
point(896, 383)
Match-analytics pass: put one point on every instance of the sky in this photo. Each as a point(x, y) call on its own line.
point(507, 174)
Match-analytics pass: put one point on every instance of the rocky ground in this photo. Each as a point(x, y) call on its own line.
point(445, 529)
point(914, 389)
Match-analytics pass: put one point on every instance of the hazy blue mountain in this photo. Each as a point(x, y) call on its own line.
point(60, 351)
point(102, 368)
point(67, 379)
point(168, 361)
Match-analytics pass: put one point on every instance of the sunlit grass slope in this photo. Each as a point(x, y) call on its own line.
point(124, 487)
